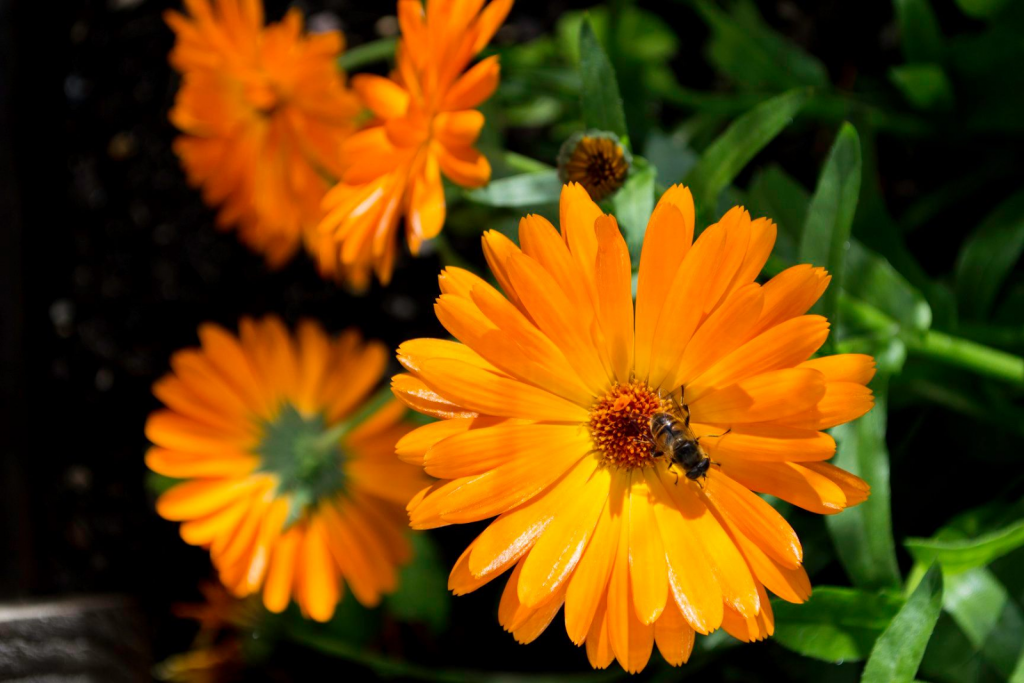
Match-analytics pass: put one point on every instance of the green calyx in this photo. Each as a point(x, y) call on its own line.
point(306, 455)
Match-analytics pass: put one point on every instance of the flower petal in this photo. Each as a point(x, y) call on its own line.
point(615, 296)
point(768, 396)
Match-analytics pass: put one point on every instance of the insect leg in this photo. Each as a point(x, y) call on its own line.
point(712, 436)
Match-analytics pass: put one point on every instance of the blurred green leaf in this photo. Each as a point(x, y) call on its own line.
point(835, 624)
point(981, 9)
point(599, 97)
point(368, 53)
point(752, 54)
point(633, 203)
point(775, 194)
point(950, 657)
point(422, 593)
point(987, 258)
point(647, 36)
point(957, 554)
point(741, 141)
point(863, 534)
point(826, 234)
point(924, 86)
point(159, 484)
point(897, 654)
point(671, 154)
point(872, 279)
point(990, 618)
point(919, 29)
point(527, 189)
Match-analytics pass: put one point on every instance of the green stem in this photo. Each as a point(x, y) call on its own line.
point(969, 355)
point(336, 433)
point(524, 164)
point(388, 668)
point(375, 51)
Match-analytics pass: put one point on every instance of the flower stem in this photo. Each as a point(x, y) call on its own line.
point(374, 51)
point(969, 355)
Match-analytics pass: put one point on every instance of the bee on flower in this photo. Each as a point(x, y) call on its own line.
point(286, 461)
point(425, 124)
point(568, 412)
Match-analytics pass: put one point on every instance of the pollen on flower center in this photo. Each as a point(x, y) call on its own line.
point(619, 424)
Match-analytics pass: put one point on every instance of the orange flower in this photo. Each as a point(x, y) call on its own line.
point(545, 408)
point(264, 111)
point(425, 125)
point(292, 481)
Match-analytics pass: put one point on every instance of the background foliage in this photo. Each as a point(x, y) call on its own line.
point(883, 139)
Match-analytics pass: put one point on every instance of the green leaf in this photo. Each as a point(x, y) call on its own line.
point(919, 29)
point(369, 53)
point(835, 624)
point(159, 484)
point(633, 204)
point(422, 594)
point(777, 195)
point(957, 554)
point(753, 55)
point(897, 654)
point(863, 534)
point(924, 86)
point(872, 279)
point(988, 257)
point(671, 154)
point(826, 232)
point(981, 9)
point(990, 618)
point(722, 161)
point(599, 97)
point(527, 189)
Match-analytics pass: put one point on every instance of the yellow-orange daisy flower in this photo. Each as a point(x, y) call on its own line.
point(425, 125)
point(292, 482)
point(263, 111)
point(545, 406)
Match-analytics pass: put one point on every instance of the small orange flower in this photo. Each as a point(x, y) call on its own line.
point(263, 111)
point(545, 407)
point(292, 480)
point(425, 125)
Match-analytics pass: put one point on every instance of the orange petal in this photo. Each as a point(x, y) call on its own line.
point(695, 588)
point(497, 250)
point(783, 346)
point(791, 293)
point(767, 442)
point(412, 447)
point(483, 449)
point(202, 497)
point(559, 549)
point(599, 646)
point(842, 402)
point(723, 331)
point(514, 533)
point(458, 128)
point(588, 584)
point(615, 296)
point(418, 396)
point(668, 238)
point(474, 86)
point(648, 570)
point(320, 582)
point(464, 166)
point(384, 97)
point(511, 484)
point(631, 639)
point(684, 305)
point(854, 488)
point(277, 590)
point(845, 367)
point(754, 518)
point(488, 393)
point(794, 483)
point(577, 213)
point(673, 635)
point(768, 396)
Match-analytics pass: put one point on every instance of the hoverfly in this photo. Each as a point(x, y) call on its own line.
point(673, 439)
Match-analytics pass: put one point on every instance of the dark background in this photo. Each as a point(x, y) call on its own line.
point(108, 262)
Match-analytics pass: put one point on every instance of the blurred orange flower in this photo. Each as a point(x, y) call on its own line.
point(292, 482)
point(263, 111)
point(545, 407)
point(425, 125)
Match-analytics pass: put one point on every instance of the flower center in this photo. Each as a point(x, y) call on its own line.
point(619, 424)
point(306, 455)
point(599, 165)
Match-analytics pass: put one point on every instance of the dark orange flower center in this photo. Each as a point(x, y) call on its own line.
point(599, 165)
point(619, 424)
